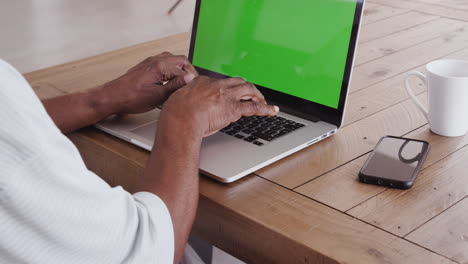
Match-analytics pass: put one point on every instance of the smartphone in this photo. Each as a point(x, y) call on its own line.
point(395, 162)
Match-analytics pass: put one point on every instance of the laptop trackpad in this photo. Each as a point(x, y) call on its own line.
point(147, 131)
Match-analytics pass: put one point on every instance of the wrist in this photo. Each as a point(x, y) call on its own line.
point(179, 128)
point(101, 103)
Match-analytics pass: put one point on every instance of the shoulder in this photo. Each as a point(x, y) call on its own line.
point(12, 82)
point(20, 108)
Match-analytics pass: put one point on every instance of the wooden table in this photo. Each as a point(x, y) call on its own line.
point(310, 207)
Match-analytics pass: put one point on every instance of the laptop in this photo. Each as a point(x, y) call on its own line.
point(298, 53)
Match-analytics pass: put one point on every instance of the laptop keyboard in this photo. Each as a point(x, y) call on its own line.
point(260, 130)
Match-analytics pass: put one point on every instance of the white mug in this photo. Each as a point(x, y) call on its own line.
point(447, 89)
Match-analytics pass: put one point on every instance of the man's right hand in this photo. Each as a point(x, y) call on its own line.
point(207, 105)
point(194, 111)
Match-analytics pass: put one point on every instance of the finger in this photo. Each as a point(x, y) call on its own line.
point(200, 80)
point(175, 83)
point(157, 57)
point(246, 91)
point(255, 99)
point(179, 61)
point(179, 81)
point(163, 54)
point(188, 78)
point(171, 73)
point(252, 108)
point(190, 69)
point(229, 82)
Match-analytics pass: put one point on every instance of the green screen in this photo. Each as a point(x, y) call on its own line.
point(298, 47)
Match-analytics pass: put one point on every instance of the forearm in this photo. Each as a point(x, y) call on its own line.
point(172, 174)
point(74, 111)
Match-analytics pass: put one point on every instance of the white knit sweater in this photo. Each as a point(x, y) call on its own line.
point(53, 209)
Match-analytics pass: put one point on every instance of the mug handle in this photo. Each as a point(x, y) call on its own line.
point(411, 94)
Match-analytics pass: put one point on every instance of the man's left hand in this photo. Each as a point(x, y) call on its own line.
point(148, 84)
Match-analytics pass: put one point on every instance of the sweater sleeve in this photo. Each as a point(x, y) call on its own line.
point(53, 209)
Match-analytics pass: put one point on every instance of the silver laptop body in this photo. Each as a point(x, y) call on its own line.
point(223, 157)
point(227, 158)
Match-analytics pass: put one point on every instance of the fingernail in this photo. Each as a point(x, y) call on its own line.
point(189, 77)
point(276, 108)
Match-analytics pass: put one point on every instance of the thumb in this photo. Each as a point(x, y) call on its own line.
point(179, 81)
point(189, 77)
point(251, 108)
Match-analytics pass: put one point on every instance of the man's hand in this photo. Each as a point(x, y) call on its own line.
point(148, 84)
point(141, 89)
point(198, 109)
point(208, 105)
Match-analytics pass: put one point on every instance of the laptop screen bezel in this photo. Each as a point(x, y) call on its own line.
point(291, 104)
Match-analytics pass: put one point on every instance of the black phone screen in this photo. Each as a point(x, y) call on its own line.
point(396, 159)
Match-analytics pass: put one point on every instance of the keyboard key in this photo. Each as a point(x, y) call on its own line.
point(239, 136)
point(263, 127)
point(251, 139)
point(263, 136)
point(279, 134)
point(290, 127)
point(232, 132)
point(258, 143)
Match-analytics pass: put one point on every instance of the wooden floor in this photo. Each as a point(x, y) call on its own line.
point(310, 207)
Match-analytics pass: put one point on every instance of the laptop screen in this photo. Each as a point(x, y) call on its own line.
point(297, 47)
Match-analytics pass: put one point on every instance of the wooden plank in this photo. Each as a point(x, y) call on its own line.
point(393, 24)
point(455, 4)
point(350, 142)
point(438, 187)
point(398, 41)
point(46, 90)
point(375, 98)
point(253, 217)
point(447, 233)
point(380, 96)
point(378, 70)
point(375, 12)
point(438, 10)
point(341, 188)
point(308, 223)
